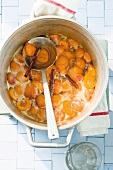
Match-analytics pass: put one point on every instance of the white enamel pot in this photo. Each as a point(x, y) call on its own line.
point(52, 25)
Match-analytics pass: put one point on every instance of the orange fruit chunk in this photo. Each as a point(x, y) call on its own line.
point(66, 85)
point(91, 70)
point(75, 70)
point(32, 111)
point(21, 77)
point(30, 49)
point(89, 81)
point(67, 109)
point(87, 57)
point(11, 78)
point(35, 75)
point(56, 100)
point(40, 100)
point(79, 53)
point(69, 54)
point(18, 89)
point(57, 86)
point(72, 43)
point(55, 38)
point(25, 104)
point(20, 58)
point(64, 43)
point(43, 56)
point(30, 91)
point(60, 49)
point(80, 63)
point(12, 94)
point(14, 66)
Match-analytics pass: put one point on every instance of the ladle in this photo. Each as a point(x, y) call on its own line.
point(32, 63)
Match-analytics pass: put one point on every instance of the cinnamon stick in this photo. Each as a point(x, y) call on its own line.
point(30, 66)
point(73, 82)
point(51, 81)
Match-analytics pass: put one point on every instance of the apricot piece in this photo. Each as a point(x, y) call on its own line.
point(40, 100)
point(62, 61)
point(89, 81)
point(64, 43)
point(30, 91)
point(62, 70)
point(55, 38)
point(12, 94)
point(24, 104)
point(79, 53)
point(41, 115)
point(56, 101)
point(80, 63)
point(43, 56)
point(11, 78)
point(60, 49)
point(20, 58)
point(75, 70)
point(59, 115)
point(74, 90)
point(72, 43)
point(14, 66)
point(30, 49)
point(87, 57)
point(39, 85)
point(67, 109)
point(78, 106)
point(62, 64)
point(21, 77)
point(66, 85)
point(32, 111)
point(57, 86)
point(35, 75)
point(18, 89)
point(91, 70)
point(69, 54)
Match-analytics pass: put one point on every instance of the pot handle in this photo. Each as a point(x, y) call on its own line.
point(49, 145)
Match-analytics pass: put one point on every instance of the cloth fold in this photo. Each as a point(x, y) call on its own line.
point(64, 8)
point(98, 122)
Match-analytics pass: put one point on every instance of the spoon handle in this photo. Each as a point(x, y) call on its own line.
point(51, 122)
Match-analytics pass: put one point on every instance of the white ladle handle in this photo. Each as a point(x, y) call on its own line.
point(51, 122)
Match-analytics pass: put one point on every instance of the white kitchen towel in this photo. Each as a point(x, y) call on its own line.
point(65, 8)
point(98, 122)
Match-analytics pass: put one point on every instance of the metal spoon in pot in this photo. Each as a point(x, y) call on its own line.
point(32, 63)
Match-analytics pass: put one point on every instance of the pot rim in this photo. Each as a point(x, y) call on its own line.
point(65, 126)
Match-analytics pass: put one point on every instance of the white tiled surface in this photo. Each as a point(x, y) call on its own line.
point(92, 8)
point(15, 151)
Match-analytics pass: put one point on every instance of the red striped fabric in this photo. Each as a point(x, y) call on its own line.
point(99, 113)
point(61, 6)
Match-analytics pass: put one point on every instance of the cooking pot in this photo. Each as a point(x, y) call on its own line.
point(53, 25)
